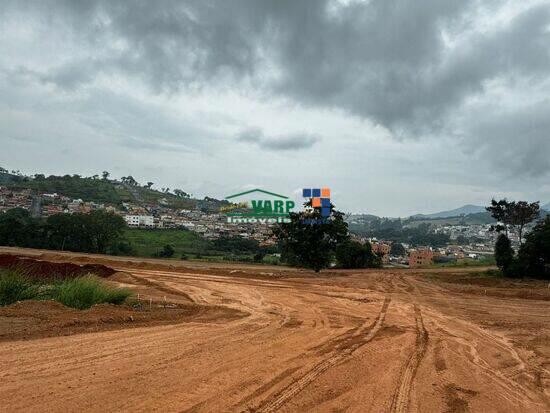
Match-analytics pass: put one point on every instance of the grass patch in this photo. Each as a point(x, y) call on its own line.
point(81, 292)
point(84, 292)
point(482, 262)
point(146, 242)
point(16, 286)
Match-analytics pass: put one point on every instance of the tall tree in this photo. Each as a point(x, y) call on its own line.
point(504, 254)
point(499, 210)
point(308, 244)
point(516, 214)
point(523, 213)
point(534, 254)
point(353, 254)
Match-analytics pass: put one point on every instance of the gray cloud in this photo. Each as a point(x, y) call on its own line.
point(387, 61)
point(459, 86)
point(278, 143)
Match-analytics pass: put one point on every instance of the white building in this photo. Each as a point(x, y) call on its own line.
point(136, 221)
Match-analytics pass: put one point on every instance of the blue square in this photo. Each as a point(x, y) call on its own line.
point(325, 202)
point(316, 192)
point(306, 193)
point(325, 212)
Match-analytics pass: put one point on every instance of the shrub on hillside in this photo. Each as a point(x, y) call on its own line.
point(166, 252)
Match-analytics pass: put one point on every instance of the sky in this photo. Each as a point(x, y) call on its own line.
point(400, 107)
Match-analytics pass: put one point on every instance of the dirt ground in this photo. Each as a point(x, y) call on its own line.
point(240, 338)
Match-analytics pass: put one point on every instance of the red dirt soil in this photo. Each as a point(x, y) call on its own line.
point(347, 341)
point(46, 269)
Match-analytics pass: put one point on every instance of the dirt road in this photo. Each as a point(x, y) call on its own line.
point(363, 341)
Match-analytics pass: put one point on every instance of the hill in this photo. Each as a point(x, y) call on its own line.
point(457, 212)
point(479, 218)
point(546, 207)
point(106, 191)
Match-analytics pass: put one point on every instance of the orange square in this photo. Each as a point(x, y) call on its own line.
point(325, 193)
point(316, 202)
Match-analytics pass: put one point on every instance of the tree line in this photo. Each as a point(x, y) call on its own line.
point(97, 232)
point(533, 256)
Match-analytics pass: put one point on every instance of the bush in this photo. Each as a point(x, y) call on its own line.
point(534, 254)
point(84, 292)
point(16, 286)
point(167, 252)
point(259, 257)
point(353, 254)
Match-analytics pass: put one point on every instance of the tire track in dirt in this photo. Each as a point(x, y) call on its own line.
point(341, 352)
point(159, 286)
point(401, 399)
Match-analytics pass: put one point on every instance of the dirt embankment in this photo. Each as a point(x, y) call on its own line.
point(29, 320)
point(152, 304)
point(47, 269)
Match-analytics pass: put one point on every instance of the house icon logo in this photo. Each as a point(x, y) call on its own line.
point(258, 205)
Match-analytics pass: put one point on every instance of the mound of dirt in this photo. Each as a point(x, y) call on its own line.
point(38, 319)
point(47, 269)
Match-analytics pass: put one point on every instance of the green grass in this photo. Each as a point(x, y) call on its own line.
point(16, 286)
point(84, 292)
point(146, 242)
point(81, 292)
point(482, 262)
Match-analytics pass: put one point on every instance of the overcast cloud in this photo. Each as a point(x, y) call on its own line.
point(398, 106)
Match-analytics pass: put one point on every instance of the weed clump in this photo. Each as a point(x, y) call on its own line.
point(16, 286)
point(84, 292)
point(80, 292)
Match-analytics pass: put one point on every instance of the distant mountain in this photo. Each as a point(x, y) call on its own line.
point(463, 210)
point(546, 207)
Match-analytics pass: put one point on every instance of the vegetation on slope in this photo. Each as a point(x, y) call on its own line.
point(80, 292)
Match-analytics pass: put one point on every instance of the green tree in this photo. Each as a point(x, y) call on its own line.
point(105, 175)
point(19, 229)
point(236, 245)
point(166, 252)
point(104, 229)
point(308, 244)
point(523, 213)
point(67, 232)
point(397, 249)
point(504, 254)
point(96, 232)
point(534, 254)
point(353, 254)
point(181, 194)
point(517, 214)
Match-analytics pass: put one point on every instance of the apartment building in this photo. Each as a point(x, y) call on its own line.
point(420, 257)
point(140, 221)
